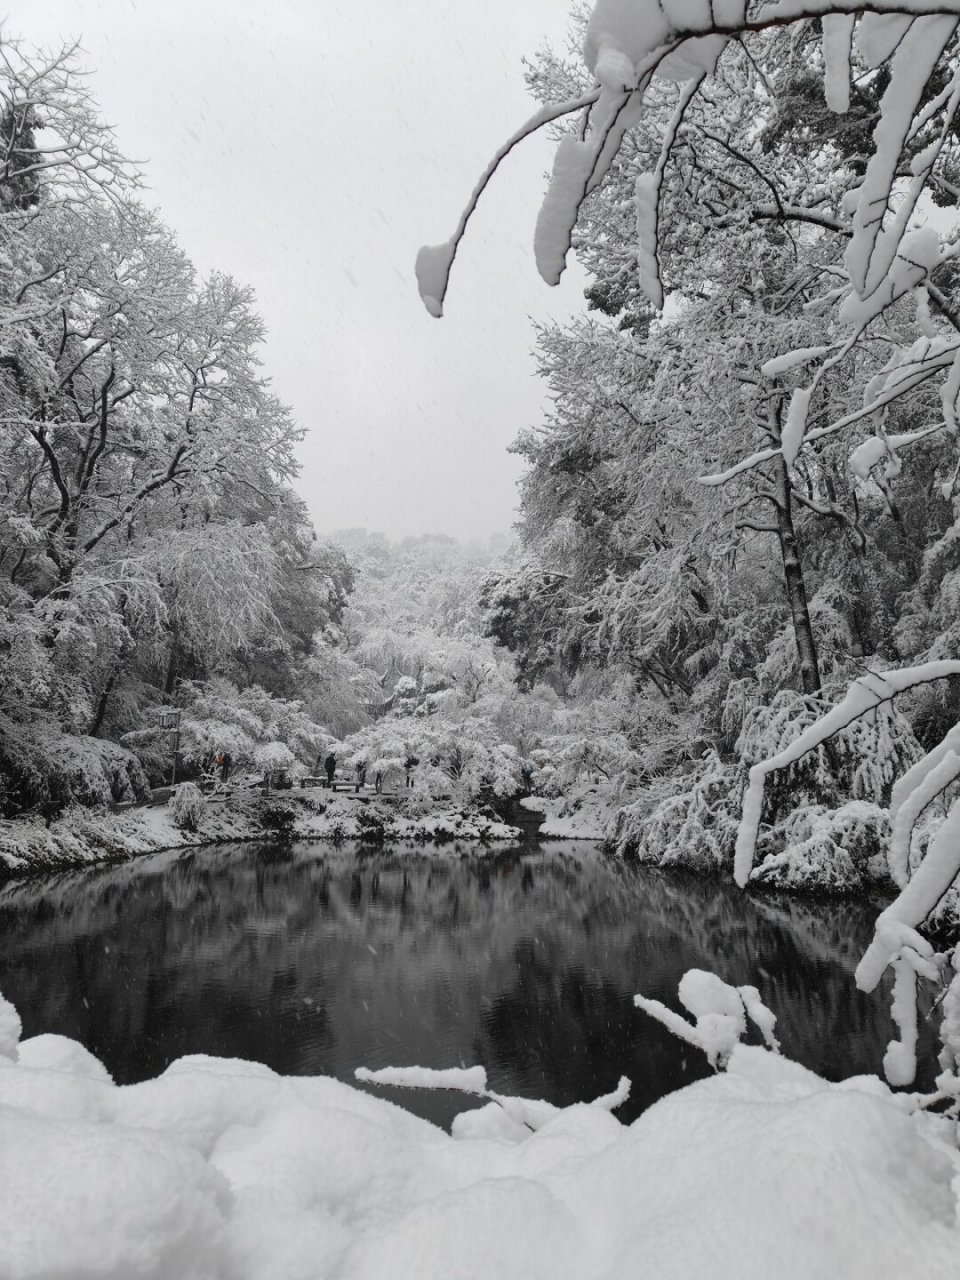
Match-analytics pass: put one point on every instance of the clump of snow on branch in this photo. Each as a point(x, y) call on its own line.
point(917, 254)
point(721, 1013)
point(433, 269)
point(791, 360)
point(523, 1115)
point(874, 247)
point(627, 44)
point(11, 1029)
point(578, 168)
point(837, 41)
point(919, 787)
point(896, 941)
point(900, 1059)
point(882, 449)
point(917, 900)
point(796, 424)
point(461, 1079)
point(646, 195)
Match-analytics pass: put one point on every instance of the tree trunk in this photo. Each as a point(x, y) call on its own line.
point(102, 705)
point(171, 677)
point(793, 579)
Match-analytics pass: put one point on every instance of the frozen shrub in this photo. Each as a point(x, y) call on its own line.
point(859, 763)
point(691, 820)
point(277, 819)
point(44, 769)
point(834, 850)
point(370, 828)
point(187, 806)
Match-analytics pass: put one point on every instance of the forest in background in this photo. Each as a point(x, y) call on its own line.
point(648, 632)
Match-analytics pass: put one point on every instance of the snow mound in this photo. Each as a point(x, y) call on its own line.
point(223, 1170)
point(10, 1030)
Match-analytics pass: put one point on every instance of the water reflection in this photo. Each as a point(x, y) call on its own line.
point(526, 961)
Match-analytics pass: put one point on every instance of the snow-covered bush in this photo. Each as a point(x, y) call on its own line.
point(566, 758)
point(279, 820)
point(860, 762)
point(687, 820)
point(370, 827)
point(273, 757)
point(187, 805)
point(824, 822)
point(822, 849)
point(43, 768)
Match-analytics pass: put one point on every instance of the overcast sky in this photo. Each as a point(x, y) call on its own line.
point(308, 148)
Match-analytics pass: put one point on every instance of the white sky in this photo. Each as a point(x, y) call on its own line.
point(308, 148)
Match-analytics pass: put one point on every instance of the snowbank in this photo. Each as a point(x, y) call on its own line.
point(83, 836)
point(222, 1169)
point(583, 813)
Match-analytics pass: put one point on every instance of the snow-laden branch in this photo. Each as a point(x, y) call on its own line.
point(864, 695)
point(434, 262)
point(628, 44)
point(738, 468)
point(898, 923)
point(647, 195)
point(720, 1011)
point(528, 1112)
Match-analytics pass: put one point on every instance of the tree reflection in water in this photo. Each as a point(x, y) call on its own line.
point(524, 960)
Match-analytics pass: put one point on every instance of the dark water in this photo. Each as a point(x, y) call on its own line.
point(525, 961)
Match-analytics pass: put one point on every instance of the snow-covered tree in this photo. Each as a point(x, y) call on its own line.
point(778, 158)
point(148, 531)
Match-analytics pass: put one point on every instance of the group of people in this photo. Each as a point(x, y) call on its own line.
point(360, 772)
point(222, 764)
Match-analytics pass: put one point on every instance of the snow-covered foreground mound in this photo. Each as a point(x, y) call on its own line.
point(221, 1168)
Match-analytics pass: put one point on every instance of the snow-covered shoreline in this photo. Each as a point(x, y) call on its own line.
point(82, 837)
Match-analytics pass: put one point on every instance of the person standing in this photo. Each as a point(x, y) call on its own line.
point(330, 765)
point(409, 765)
point(361, 774)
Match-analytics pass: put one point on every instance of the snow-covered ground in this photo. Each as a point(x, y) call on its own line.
point(222, 1170)
point(86, 835)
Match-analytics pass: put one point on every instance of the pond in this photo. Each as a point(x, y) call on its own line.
point(523, 960)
